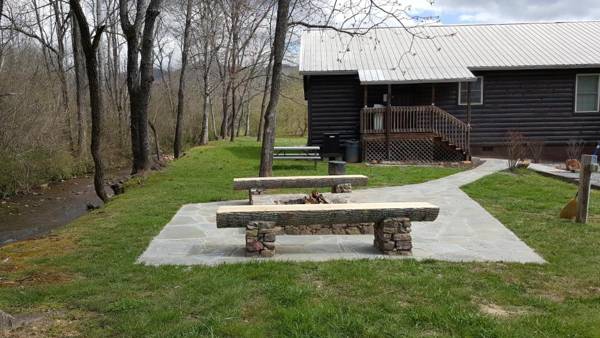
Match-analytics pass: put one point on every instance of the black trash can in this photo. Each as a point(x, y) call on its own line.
point(352, 151)
point(331, 147)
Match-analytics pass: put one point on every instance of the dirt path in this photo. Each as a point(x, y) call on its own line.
point(37, 213)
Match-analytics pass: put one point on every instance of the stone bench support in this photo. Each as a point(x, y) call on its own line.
point(260, 238)
point(392, 236)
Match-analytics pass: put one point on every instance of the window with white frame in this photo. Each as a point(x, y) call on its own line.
point(587, 94)
point(476, 92)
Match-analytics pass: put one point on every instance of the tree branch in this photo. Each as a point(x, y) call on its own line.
point(98, 36)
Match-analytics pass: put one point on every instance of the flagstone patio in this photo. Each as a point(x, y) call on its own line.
point(464, 231)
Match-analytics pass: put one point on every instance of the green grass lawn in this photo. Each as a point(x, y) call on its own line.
point(85, 281)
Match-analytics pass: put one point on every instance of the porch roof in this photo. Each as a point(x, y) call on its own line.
point(449, 53)
point(415, 75)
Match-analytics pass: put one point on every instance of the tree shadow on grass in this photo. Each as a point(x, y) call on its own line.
point(309, 167)
point(247, 153)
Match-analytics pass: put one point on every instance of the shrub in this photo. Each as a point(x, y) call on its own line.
point(20, 172)
point(536, 148)
point(575, 149)
point(515, 148)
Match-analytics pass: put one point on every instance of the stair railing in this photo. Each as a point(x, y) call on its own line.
point(416, 119)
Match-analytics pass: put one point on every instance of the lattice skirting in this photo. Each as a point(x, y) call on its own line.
point(410, 150)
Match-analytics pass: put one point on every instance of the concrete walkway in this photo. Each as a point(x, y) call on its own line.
point(550, 170)
point(464, 231)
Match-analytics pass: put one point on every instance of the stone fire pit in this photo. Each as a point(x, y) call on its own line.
point(315, 229)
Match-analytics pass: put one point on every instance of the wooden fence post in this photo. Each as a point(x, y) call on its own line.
point(589, 164)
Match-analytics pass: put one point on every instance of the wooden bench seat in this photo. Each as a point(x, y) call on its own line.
point(392, 221)
point(297, 181)
point(253, 184)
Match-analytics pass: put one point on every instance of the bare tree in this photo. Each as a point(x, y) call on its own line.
point(281, 28)
point(207, 52)
point(49, 28)
point(1, 9)
point(1, 35)
point(181, 91)
point(139, 35)
point(99, 21)
point(78, 66)
point(246, 18)
point(90, 48)
point(115, 83)
point(263, 102)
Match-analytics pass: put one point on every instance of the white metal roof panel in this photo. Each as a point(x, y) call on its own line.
point(449, 53)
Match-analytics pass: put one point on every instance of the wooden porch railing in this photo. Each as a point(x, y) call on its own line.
point(415, 119)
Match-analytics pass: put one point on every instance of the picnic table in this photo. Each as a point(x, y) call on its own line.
point(310, 153)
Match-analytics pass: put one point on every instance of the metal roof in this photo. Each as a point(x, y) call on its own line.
point(449, 53)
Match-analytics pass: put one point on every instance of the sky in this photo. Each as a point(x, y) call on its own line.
point(499, 11)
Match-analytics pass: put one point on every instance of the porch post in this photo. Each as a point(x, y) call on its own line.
point(388, 120)
point(468, 121)
point(433, 94)
point(365, 96)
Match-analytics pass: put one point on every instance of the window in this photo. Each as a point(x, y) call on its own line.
point(476, 92)
point(586, 93)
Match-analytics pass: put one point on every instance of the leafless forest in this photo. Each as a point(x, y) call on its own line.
point(91, 85)
point(206, 55)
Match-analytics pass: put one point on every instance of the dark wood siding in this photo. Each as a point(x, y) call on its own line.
point(333, 107)
point(539, 103)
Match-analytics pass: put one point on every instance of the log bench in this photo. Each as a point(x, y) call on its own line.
point(264, 222)
point(339, 183)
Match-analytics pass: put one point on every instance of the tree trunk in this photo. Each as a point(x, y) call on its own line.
point(156, 140)
point(181, 91)
point(212, 117)
point(99, 52)
point(79, 66)
point(240, 119)
point(139, 78)
point(224, 104)
point(233, 71)
point(1, 9)
point(263, 103)
point(117, 88)
point(247, 105)
point(266, 153)
point(90, 48)
point(1, 42)
point(62, 76)
point(233, 111)
point(205, 106)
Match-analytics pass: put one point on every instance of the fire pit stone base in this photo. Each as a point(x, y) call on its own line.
point(342, 189)
point(392, 236)
point(326, 229)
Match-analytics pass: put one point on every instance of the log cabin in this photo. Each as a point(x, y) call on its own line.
point(446, 92)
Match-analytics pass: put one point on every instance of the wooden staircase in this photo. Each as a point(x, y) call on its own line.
point(413, 134)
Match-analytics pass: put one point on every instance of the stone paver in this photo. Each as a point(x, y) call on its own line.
point(550, 170)
point(464, 231)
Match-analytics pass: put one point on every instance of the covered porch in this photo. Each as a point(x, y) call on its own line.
point(402, 123)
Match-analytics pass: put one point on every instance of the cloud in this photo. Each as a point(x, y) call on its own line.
point(513, 10)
